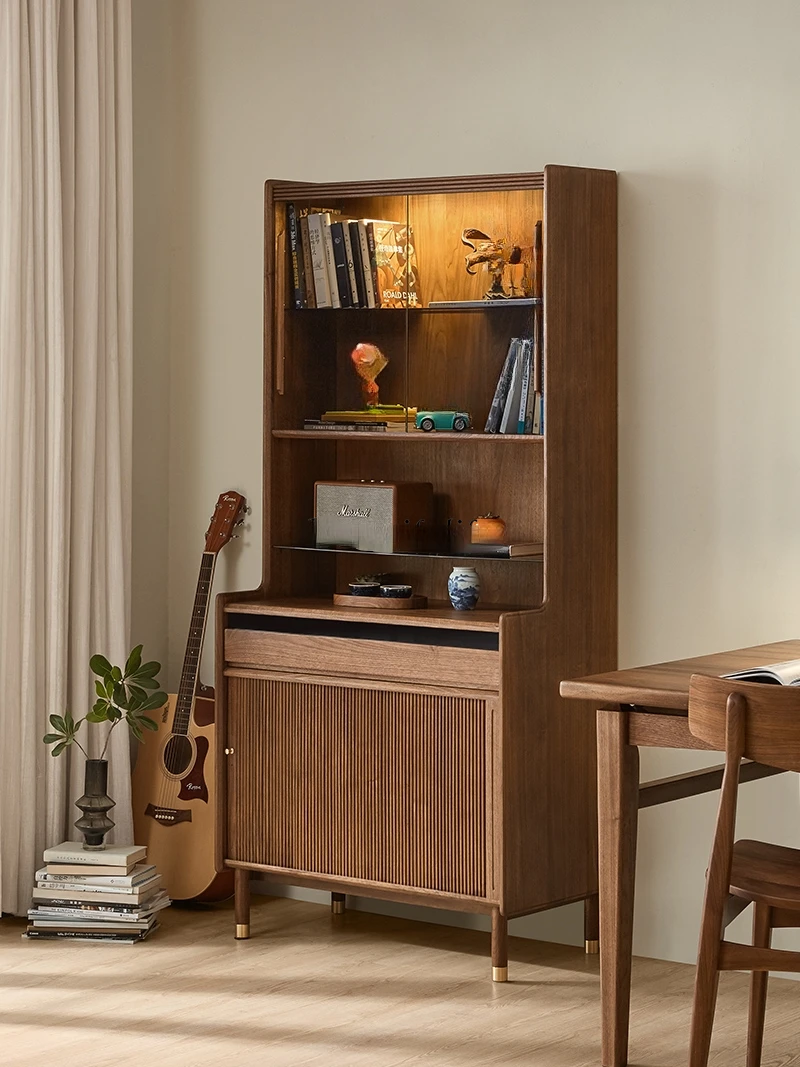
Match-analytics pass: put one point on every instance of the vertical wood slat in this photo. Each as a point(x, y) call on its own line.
point(366, 784)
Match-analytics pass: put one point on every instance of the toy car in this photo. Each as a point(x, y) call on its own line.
point(443, 420)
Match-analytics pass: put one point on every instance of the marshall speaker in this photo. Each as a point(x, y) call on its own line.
point(373, 516)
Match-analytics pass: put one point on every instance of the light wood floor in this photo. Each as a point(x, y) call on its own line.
point(356, 991)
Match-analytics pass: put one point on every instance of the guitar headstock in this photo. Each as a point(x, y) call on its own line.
point(228, 513)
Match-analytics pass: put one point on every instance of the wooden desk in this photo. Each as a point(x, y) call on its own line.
point(644, 706)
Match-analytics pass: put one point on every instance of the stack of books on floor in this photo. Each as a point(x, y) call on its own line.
point(111, 896)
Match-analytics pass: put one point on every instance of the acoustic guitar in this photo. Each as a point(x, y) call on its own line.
point(173, 805)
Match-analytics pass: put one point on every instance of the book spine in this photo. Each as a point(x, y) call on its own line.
point(537, 351)
point(89, 888)
point(508, 423)
point(351, 265)
point(340, 264)
point(527, 392)
point(85, 935)
point(102, 923)
point(358, 266)
point(54, 855)
point(316, 237)
point(366, 265)
point(295, 252)
point(53, 881)
point(541, 389)
point(330, 264)
point(76, 897)
point(133, 914)
point(373, 262)
point(519, 551)
point(501, 391)
point(308, 267)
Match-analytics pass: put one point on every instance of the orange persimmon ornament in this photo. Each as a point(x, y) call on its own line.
point(487, 530)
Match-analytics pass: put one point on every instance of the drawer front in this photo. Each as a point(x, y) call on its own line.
point(465, 668)
point(374, 785)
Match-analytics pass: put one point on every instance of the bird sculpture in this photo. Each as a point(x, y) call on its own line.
point(497, 255)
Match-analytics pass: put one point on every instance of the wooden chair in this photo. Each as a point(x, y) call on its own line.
point(762, 723)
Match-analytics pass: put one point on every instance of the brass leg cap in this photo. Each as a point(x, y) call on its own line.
point(499, 974)
point(242, 931)
point(337, 907)
point(592, 948)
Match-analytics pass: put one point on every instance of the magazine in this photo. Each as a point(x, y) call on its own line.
point(787, 673)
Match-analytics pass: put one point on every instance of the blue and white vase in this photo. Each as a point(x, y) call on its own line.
point(464, 586)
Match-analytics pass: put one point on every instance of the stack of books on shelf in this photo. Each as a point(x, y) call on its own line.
point(110, 896)
point(518, 402)
point(338, 262)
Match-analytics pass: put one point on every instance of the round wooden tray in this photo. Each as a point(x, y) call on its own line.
point(380, 603)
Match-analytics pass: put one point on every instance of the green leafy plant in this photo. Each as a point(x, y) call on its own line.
point(121, 694)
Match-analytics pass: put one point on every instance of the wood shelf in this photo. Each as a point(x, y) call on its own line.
point(413, 555)
point(408, 435)
point(495, 306)
point(437, 614)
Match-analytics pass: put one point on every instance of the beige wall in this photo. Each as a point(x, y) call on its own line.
point(694, 103)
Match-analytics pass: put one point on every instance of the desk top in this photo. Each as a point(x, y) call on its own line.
point(666, 685)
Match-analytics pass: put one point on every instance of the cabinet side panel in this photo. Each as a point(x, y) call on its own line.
point(549, 744)
point(367, 784)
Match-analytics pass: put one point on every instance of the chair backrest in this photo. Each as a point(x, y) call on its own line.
point(772, 718)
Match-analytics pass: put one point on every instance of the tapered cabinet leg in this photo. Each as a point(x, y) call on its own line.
point(241, 903)
point(618, 820)
point(337, 903)
point(591, 925)
point(762, 938)
point(499, 947)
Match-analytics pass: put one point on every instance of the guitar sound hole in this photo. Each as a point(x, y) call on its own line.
point(178, 754)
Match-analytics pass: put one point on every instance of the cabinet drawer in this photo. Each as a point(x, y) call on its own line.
point(465, 668)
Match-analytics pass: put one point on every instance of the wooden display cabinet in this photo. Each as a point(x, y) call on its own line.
point(426, 756)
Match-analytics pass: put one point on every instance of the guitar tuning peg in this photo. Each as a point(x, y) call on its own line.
point(239, 523)
point(234, 537)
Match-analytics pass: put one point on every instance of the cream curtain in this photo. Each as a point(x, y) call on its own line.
point(65, 405)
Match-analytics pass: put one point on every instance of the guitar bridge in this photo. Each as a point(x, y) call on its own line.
point(167, 816)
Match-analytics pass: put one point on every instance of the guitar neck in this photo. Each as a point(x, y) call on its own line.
point(194, 645)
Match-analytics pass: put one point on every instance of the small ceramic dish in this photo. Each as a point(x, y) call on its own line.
point(396, 592)
point(365, 589)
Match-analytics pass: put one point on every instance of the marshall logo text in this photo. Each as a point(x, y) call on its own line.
point(346, 511)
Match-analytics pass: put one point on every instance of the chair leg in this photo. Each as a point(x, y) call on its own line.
point(762, 938)
point(706, 984)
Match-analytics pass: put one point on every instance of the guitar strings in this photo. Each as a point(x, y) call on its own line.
point(186, 695)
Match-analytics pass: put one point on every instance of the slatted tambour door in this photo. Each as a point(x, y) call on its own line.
point(364, 784)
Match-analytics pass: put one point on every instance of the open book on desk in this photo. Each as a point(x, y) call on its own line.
point(787, 673)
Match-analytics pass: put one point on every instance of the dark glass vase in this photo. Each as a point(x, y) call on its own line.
point(94, 824)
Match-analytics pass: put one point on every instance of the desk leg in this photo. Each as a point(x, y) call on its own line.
point(618, 814)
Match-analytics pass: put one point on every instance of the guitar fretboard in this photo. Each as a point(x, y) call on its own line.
point(194, 645)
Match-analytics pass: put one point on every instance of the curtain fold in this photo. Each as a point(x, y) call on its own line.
point(65, 406)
